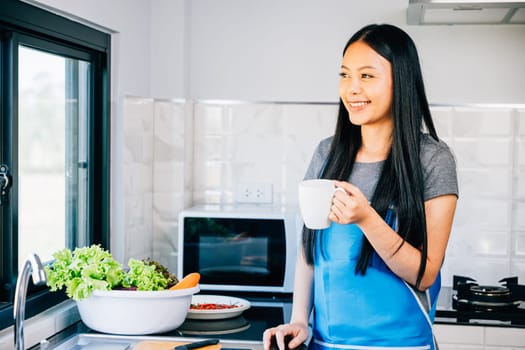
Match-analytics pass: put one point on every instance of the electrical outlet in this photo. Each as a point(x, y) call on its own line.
point(254, 193)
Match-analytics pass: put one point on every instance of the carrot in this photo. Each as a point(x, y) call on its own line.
point(189, 281)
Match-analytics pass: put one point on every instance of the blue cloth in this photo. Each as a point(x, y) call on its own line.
point(375, 311)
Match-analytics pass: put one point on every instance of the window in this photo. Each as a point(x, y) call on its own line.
point(54, 143)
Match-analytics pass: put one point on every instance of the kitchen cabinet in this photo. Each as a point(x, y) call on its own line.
point(505, 337)
point(461, 337)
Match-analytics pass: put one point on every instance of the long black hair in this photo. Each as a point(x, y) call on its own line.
point(401, 179)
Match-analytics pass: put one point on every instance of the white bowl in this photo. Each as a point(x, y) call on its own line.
point(136, 312)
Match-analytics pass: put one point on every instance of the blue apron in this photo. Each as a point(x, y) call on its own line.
point(375, 311)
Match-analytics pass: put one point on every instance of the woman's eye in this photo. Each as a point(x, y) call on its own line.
point(366, 76)
point(344, 75)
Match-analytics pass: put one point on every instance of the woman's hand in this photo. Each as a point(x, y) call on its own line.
point(296, 332)
point(402, 259)
point(350, 205)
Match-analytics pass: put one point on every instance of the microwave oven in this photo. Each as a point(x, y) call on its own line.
point(240, 248)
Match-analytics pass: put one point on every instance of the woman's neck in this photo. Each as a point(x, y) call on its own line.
point(375, 146)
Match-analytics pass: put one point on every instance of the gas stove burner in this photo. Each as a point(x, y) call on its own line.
point(473, 305)
point(474, 297)
point(490, 291)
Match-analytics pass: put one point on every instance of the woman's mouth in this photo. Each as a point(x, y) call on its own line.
point(358, 104)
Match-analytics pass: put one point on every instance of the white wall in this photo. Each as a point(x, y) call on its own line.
point(290, 51)
point(169, 44)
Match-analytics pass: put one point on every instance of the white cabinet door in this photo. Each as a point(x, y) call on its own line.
point(459, 337)
point(510, 337)
point(456, 335)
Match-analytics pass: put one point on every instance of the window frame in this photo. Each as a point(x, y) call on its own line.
point(22, 23)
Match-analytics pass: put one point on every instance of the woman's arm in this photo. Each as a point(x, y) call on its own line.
point(303, 294)
point(353, 207)
point(301, 309)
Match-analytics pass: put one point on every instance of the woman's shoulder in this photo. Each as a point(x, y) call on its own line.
point(439, 167)
point(318, 158)
point(432, 148)
point(324, 145)
point(430, 143)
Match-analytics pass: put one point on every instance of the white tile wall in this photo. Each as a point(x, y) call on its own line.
point(267, 143)
point(171, 169)
point(201, 151)
point(156, 172)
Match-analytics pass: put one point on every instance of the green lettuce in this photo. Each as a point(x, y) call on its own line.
point(144, 276)
point(87, 269)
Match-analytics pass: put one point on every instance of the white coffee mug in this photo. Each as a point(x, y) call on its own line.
point(315, 201)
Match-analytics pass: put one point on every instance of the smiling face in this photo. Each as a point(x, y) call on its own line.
point(366, 85)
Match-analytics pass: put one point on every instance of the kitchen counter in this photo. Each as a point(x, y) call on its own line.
point(78, 340)
point(245, 331)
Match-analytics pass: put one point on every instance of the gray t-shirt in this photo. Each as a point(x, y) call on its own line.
point(437, 160)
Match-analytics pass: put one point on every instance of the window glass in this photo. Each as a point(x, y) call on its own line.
point(51, 151)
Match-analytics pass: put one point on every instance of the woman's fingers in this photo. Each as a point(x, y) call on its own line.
point(274, 337)
point(346, 186)
point(279, 341)
point(278, 337)
point(342, 203)
point(269, 338)
point(347, 202)
point(295, 342)
point(267, 335)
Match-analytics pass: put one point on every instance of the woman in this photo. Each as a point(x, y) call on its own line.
point(372, 277)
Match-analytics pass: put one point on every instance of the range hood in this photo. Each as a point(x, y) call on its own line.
point(421, 12)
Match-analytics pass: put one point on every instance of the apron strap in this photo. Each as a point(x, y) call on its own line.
point(425, 303)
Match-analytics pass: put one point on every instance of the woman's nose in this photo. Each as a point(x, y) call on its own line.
point(353, 87)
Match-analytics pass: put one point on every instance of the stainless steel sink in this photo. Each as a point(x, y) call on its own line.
point(86, 341)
